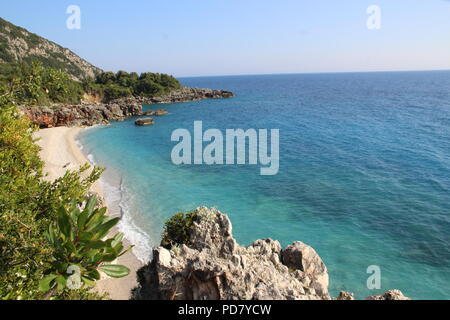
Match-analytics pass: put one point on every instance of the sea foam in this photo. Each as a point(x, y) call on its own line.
point(118, 201)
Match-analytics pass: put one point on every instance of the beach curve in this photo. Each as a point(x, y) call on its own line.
point(60, 152)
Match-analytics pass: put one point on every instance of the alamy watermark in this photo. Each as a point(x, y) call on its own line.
point(374, 281)
point(74, 280)
point(374, 19)
point(229, 149)
point(73, 22)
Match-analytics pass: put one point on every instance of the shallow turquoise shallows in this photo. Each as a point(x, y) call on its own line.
point(364, 172)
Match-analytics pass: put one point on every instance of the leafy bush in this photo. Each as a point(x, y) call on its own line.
point(177, 229)
point(113, 91)
point(29, 205)
point(79, 251)
point(123, 84)
point(34, 84)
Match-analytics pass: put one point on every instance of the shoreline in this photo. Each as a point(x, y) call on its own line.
point(61, 152)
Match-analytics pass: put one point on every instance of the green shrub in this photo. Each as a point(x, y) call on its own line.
point(79, 250)
point(29, 205)
point(177, 229)
point(113, 91)
point(123, 84)
point(37, 85)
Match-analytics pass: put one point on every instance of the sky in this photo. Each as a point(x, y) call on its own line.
point(231, 37)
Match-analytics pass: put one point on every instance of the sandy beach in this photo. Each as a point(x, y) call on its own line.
point(60, 152)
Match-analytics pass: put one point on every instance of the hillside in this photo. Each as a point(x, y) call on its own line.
point(19, 45)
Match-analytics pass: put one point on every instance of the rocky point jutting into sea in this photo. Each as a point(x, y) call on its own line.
point(213, 266)
point(89, 114)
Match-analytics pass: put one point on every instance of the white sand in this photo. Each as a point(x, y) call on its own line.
point(60, 152)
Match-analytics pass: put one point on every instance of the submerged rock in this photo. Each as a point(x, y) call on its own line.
point(144, 122)
point(208, 264)
point(156, 113)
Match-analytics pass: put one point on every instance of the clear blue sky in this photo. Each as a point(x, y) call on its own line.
point(219, 37)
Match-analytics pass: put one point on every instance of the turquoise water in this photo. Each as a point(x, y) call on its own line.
point(364, 172)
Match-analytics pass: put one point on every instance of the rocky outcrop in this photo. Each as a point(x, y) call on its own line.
point(89, 114)
point(211, 265)
point(144, 122)
point(181, 95)
point(344, 295)
point(299, 256)
point(156, 113)
point(80, 115)
point(214, 266)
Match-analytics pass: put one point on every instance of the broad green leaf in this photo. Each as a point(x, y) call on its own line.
point(94, 274)
point(86, 236)
point(126, 251)
point(90, 204)
point(64, 223)
point(103, 229)
point(96, 259)
point(82, 218)
point(118, 248)
point(96, 244)
point(109, 257)
point(61, 282)
point(44, 284)
point(95, 219)
point(87, 212)
point(115, 271)
point(117, 239)
point(88, 282)
point(74, 213)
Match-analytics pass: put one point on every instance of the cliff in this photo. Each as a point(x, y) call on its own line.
point(209, 264)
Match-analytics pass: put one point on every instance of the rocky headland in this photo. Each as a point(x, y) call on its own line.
point(211, 265)
point(89, 114)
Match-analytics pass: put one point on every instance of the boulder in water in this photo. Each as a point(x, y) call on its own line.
point(144, 122)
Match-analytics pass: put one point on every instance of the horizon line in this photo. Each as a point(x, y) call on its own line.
point(308, 73)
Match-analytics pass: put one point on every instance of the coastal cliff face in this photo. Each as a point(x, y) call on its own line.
point(213, 266)
point(118, 110)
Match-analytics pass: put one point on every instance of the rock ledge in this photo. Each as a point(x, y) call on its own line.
point(213, 266)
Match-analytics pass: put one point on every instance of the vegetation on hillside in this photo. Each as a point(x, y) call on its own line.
point(34, 84)
point(46, 226)
point(111, 86)
point(29, 47)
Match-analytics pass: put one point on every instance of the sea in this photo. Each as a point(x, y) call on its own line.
point(364, 173)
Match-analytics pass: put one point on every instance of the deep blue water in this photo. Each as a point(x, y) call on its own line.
point(364, 171)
